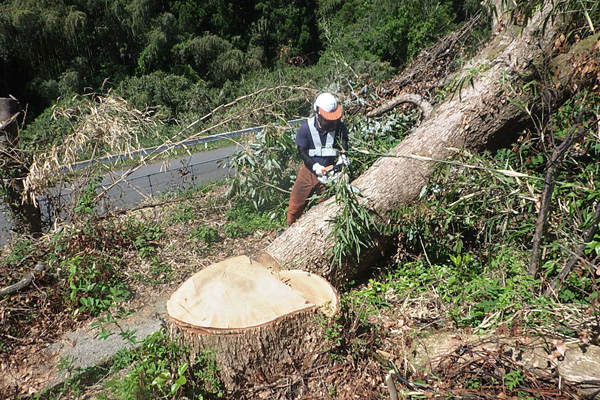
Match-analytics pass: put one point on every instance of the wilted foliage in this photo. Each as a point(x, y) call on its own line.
point(105, 125)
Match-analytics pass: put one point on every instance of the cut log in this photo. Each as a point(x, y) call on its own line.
point(259, 324)
point(486, 113)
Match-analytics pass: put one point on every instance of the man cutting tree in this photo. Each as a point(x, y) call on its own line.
point(320, 139)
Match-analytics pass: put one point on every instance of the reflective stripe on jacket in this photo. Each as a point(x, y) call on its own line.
point(321, 151)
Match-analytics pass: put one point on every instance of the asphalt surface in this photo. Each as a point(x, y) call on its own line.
point(147, 181)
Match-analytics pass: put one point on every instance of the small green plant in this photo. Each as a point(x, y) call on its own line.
point(160, 272)
point(206, 234)
point(245, 220)
point(513, 379)
point(19, 251)
point(73, 381)
point(331, 390)
point(334, 335)
point(86, 201)
point(182, 213)
point(94, 286)
point(157, 369)
point(145, 238)
point(206, 372)
point(473, 383)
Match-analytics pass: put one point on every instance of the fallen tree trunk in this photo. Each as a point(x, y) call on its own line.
point(487, 112)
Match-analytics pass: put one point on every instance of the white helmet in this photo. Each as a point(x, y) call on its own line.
point(327, 107)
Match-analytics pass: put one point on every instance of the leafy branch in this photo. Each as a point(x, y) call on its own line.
point(354, 228)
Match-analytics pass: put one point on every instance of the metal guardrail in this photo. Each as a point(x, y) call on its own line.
point(165, 147)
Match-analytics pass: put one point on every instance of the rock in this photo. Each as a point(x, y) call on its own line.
point(574, 363)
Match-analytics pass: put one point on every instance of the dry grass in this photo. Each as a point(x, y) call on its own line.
point(105, 125)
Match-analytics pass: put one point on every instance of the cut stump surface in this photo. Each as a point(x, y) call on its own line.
point(259, 323)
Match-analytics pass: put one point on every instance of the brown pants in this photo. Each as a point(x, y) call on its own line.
point(305, 183)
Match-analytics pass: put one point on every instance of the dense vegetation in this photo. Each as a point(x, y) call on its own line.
point(188, 56)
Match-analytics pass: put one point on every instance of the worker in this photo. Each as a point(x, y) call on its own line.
point(319, 140)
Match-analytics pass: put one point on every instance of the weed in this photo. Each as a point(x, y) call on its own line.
point(206, 234)
point(86, 205)
point(157, 369)
point(144, 237)
point(244, 220)
point(93, 285)
point(206, 372)
point(21, 249)
point(334, 334)
point(182, 213)
point(513, 379)
point(160, 272)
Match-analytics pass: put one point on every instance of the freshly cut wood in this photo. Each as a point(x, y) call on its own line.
point(258, 322)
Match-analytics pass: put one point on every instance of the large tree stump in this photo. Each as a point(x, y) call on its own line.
point(260, 324)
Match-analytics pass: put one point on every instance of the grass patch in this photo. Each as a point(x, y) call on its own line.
point(245, 220)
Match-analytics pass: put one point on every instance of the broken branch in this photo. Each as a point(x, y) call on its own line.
point(23, 283)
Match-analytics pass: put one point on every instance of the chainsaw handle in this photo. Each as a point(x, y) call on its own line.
point(333, 169)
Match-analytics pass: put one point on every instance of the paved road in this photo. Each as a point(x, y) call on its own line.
point(150, 180)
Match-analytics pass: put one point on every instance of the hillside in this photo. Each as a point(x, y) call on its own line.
point(471, 270)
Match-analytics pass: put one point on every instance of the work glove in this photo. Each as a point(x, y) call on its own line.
point(319, 169)
point(343, 159)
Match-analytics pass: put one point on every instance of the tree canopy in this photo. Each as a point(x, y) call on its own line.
point(52, 49)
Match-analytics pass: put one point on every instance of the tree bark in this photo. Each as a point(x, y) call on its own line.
point(26, 216)
point(487, 113)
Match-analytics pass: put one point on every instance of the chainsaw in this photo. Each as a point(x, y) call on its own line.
point(331, 174)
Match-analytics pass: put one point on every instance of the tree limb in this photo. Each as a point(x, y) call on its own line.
point(546, 199)
point(23, 283)
point(6, 123)
point(578, 253)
